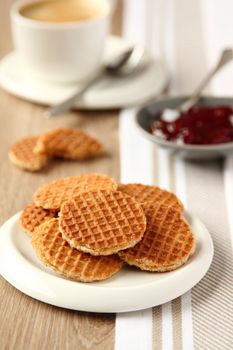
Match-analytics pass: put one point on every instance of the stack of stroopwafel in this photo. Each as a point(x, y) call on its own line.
point(85, 227)
point(33, 153)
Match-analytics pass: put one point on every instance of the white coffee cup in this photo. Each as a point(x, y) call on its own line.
point(63, 51)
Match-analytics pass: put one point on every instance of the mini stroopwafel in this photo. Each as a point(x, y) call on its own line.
point(33, 216)
point(56, 253)
point(21, 154)
point(52, 195)
point(167, 243)
point(102, 222)
point(68, 143)
point(146, 193)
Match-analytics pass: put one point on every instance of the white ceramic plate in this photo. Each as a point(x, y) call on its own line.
point(122, 92)
point(129, 290)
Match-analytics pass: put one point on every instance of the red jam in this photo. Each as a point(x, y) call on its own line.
point(197, 126)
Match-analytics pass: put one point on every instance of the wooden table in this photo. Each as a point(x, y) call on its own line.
point(26, 323)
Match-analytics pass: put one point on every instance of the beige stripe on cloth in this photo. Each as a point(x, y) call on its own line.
point(176, 303)
point(177, 325)
point(212, 298)
point(156, 311)
point(157, 327)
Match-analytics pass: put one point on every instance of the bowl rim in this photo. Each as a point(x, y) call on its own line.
point(169, 144)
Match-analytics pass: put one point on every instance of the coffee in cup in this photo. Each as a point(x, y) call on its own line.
point(60, 40)
point(62, 10)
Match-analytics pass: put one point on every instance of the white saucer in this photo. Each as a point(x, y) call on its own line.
point(129, 290)
point(123, 92)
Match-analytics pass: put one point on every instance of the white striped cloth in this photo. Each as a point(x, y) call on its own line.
point(189, 36)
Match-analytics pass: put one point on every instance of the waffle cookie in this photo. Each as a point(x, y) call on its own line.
point(22, 155)
point(102, 222)
point(33, 216)
point(52, 195)
point(167, 243)
point(146, 193)
point(68, 143)
point(56, 253)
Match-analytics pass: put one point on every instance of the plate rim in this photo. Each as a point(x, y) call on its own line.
point(101, 293)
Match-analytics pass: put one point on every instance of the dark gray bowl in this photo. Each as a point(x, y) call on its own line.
point(146, 115)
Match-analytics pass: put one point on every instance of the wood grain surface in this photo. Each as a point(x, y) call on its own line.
point(24, 322)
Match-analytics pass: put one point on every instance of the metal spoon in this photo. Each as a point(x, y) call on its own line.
point(172, 114)
point(127, 63)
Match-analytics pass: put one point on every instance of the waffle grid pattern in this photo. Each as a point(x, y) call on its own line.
point(146, 193)
point(33, 216)
point(102, 221)
point(167, 243)
point(52, 195)
point(21, 154)
point(57, 253)
point(68, 143)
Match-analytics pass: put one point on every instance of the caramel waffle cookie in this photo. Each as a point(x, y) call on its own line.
point(33, 216)
point(68, 143)
point(146, 193)
point(52, 195)
point(102, 222)
point(56, 253)
point(167, 243)
point(22, 155)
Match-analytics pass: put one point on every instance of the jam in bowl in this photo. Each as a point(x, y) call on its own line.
point(204, 131)
point(200, 125)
